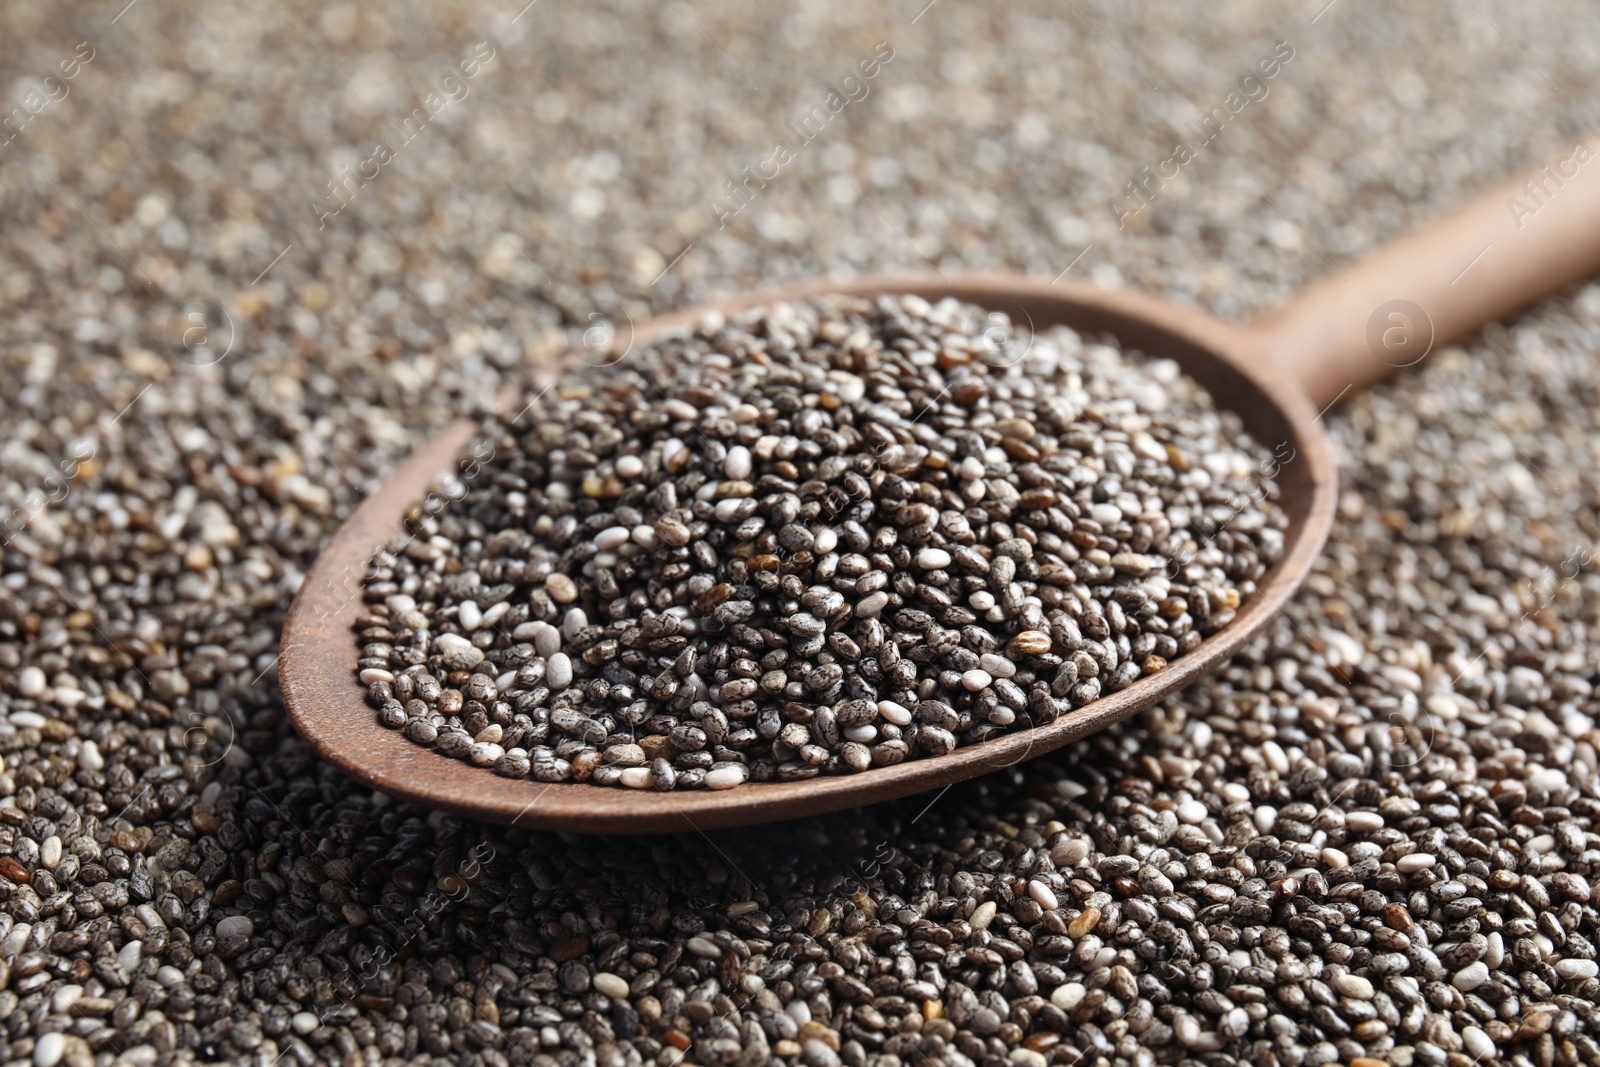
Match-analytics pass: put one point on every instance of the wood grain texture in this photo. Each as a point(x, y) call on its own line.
point(1516, 243)
point(317, 671)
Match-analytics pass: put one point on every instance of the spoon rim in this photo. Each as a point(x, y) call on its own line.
point(319, 650)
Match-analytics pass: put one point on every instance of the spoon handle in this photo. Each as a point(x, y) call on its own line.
point(1521, 241)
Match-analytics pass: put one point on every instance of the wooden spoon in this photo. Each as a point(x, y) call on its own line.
point(1278, 374)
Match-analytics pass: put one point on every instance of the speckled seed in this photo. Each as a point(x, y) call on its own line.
point(1029, 643)
point(1085, 921)
point(871, 605)
point(235, 926)
point(484, 754)
point(1353, 985)
point(1069, 853)
point(996, 666)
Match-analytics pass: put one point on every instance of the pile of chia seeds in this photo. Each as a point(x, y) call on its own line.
point(1372, 838)
point(813, 540)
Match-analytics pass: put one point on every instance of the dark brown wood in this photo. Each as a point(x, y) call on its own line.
point(318, 667)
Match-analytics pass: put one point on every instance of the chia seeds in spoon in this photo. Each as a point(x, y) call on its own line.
point(811, 540)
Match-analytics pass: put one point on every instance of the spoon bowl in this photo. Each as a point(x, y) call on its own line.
point(1278, 375)
point(318, 668)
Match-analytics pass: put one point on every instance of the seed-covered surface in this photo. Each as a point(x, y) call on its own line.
point(1412, 744)
point(813, 540)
